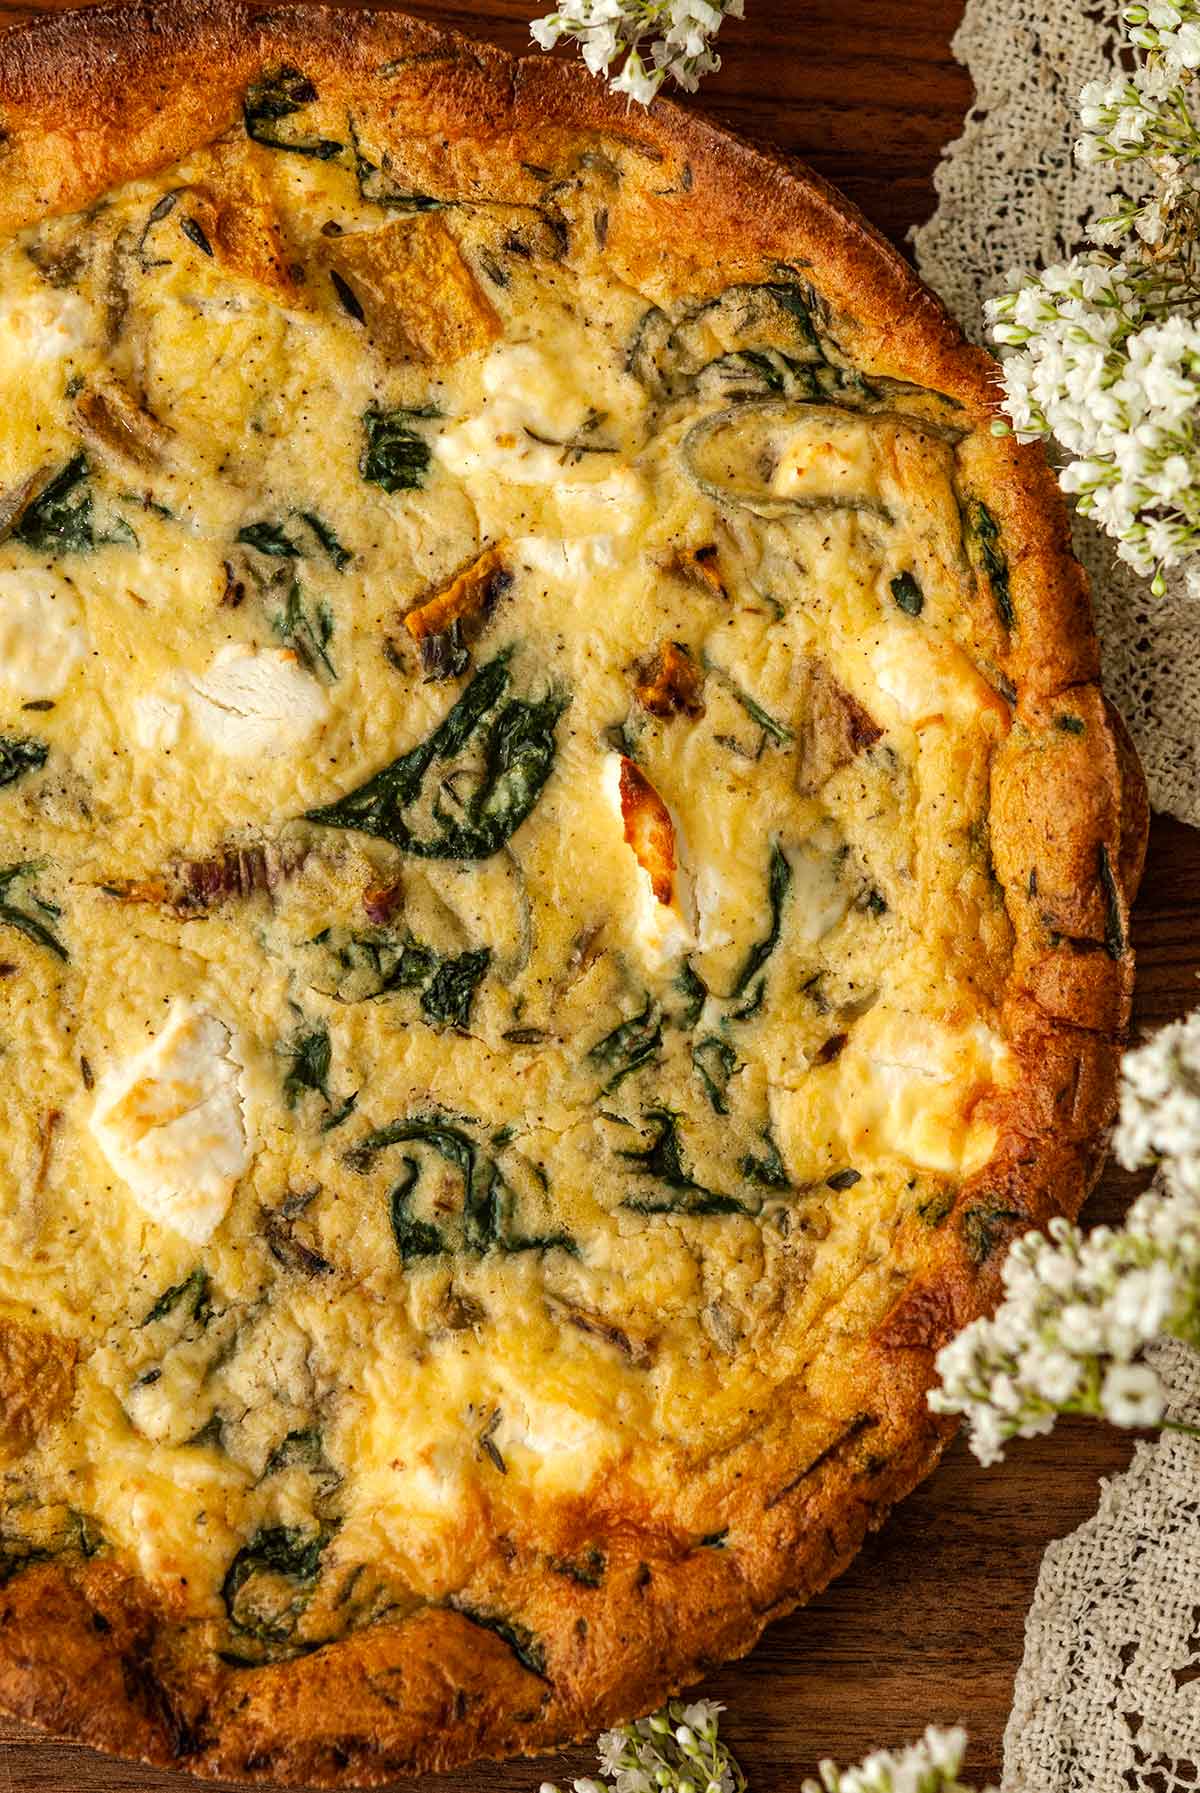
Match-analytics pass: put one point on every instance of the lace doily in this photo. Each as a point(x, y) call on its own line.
point(1107, 1699)
point(1009, 195)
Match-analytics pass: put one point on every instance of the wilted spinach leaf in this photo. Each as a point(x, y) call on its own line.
point(630, 1045)
point(309, 632)
point(276, 95)
point(451, 991)
point(192, 1294)
point(254, 1601)
point(715, 1061)
point(779, 880)
point(663, 1160)
point(20, 919)
point(394, 455)
point(518, 753)
point(60, 519)
point(20, 754)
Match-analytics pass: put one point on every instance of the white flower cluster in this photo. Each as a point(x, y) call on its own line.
point(650, 38)
point(930, 1766)
point(675, 1750)
point(1107, 345)
point(1079, 1310)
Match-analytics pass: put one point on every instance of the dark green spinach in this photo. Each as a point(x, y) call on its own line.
point(61, 520)
point(518, 748)
point(20, 919)
point(255, 1603)
point(276, 95)
point(394, 455)
point(779, 882)
point(630, 1045)
point(663, 1161)
point(20, 754)
point(986, 531)
point(715, 1062)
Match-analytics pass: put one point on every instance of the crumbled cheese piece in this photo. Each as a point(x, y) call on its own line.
point(169, 1121)
point(156, 721)
point(257, 702)
point(661, 921)
point(47, 326)
point(42, 636)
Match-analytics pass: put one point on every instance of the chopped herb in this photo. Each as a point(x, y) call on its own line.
point(843, 1179)
point(394, 455)
point(276, 95)
point(936, 1207)
point(269, 538)
point(1070, 725)
point(195, 234)
point(301, 1449)
point(908, 594)
point(486, 1198)
point(311, 1055)
point(414, 1238)
point(447, 998)
point(518, 749)
point(211, 1434)
point(874, 902)
point(986, 531)
point(751, 1008)
point(1114, 927)
point(715, 1061)
point(340, 556)
point(192, 1295)
point(588, 1571)
point(663, 1160)
point(275, 1553)
point(309, 632)
point(768, 1171)
point(20, 919)
point(487, 1441)
point(525, 1036)
point(629, 1046)
point(779, 879)
point(347, 297)
point(691, 986)
point(713, 1540)
point(777, 731)
point(60, 520)
point(20, 754)
point(529, 1652)
point(341, 1113)
point(983, 1229)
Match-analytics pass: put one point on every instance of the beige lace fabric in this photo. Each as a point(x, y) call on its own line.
point(1010, 195)
point(1108, 1696)
point(1107, 1699)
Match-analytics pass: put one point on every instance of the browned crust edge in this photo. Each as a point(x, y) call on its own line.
point(94, 97)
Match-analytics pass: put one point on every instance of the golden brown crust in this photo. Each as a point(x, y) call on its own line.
point(93, 98)
point(37, 1377)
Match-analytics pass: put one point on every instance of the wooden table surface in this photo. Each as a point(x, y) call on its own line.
point(927, 1626)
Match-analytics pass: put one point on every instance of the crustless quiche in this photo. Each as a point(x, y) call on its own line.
point(564, 885)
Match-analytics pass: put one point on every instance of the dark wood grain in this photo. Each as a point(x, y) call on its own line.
point(928, 1623)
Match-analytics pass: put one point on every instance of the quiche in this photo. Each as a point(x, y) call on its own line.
point(564, 888)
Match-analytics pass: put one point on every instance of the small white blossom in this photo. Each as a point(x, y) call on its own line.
point(651, 39)
point(930, 1766)
point(1105, 349)
point(1079, 1310)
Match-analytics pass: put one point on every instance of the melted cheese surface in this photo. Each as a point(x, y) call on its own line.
point(411, 1155)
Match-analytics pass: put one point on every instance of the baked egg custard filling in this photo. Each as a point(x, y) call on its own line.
point(500, 942)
